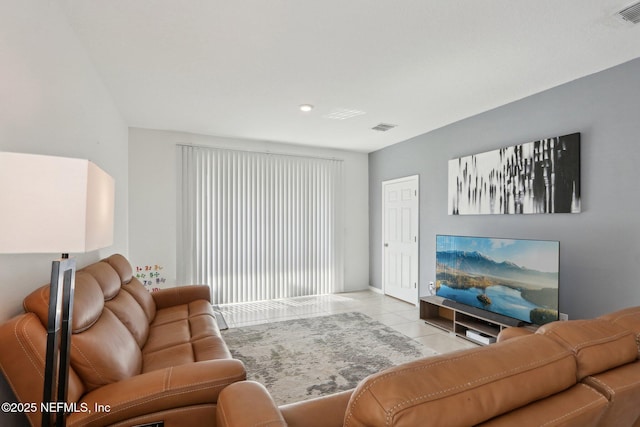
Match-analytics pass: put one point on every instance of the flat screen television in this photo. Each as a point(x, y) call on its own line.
point(516, 278)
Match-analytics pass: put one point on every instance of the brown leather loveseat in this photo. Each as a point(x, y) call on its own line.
point(579, 373)
point(146, 357)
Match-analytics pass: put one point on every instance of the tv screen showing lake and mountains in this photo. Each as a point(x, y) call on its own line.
point(517, 278)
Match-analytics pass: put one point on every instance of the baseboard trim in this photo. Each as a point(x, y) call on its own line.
point(376, 290)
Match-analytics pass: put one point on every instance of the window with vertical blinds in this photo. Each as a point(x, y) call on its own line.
point(258, 226)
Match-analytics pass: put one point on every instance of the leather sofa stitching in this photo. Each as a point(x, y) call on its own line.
point(98, 373)
point(223, 415)
point(24, 350)
point(167, 379)
point(604, 386)
point(446, 360)
point(552, 422)
point(604, 340)
point(502, 374)
point(631, 385)
point(436, 363)
point(41, 294)
point(121, 408)
point(610, 389)
point(467, 385)
point(622, 316)
point(28, 353)
point(161, 349)
point(576, 348)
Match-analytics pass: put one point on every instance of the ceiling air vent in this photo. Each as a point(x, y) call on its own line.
point(631, 13)
point(343, 113)
point(383, 127)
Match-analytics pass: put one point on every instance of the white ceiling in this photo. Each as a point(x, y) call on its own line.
point(241, 68)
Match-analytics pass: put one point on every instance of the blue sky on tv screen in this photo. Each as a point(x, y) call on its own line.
point(540, 255)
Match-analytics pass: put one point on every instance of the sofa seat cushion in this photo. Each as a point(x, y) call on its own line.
point(182, 312)
point(183, 334)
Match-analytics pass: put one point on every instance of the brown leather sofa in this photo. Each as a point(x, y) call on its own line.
point(578, 373)
point(145, 357)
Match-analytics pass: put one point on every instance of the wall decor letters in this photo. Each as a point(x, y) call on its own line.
point(151, 276)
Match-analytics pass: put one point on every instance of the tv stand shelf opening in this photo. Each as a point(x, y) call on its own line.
point(464, 321)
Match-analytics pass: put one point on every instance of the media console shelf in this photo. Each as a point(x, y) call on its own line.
point(473, 324)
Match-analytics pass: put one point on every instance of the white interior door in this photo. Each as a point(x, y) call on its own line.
point(400, 238)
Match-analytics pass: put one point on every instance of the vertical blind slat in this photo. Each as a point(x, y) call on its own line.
point(258, 226)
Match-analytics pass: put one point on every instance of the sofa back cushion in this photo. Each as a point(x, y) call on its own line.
point(105, 353)
point(88, 302)
point(103, 350)
point(129, 312)
point(122, 304)
point(463, 388)
point(87, 305)
point(598, 345)
point(628, 318)
point(107, 278)
point(133, 285)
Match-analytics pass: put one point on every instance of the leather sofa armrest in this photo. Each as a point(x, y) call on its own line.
point(169, 297)
point(247, 404)
point(180, 386)
point(325, 411)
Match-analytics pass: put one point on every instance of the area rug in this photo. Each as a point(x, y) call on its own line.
point(305, 358)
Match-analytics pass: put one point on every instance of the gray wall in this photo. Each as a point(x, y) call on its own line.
point(600, 247)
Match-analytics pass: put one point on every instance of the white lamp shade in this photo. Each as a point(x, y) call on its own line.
point(54, 205)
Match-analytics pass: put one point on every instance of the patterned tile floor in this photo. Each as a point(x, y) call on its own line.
point(399, 315)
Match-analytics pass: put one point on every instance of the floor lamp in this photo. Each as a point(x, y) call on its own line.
point(48, 205)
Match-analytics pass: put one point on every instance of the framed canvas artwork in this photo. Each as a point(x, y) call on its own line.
point(535, 177)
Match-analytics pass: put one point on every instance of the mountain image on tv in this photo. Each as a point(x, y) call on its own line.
point(513, 277)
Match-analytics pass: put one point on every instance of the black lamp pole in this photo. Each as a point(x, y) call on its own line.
point(56, 373)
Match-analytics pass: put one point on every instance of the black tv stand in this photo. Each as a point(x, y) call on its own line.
point(471, 323)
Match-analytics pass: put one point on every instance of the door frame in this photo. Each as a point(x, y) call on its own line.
point(415, 178)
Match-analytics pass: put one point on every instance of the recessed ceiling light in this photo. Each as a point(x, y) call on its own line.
point(306, 107)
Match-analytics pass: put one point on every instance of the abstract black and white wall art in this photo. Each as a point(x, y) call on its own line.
point(536, 177)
